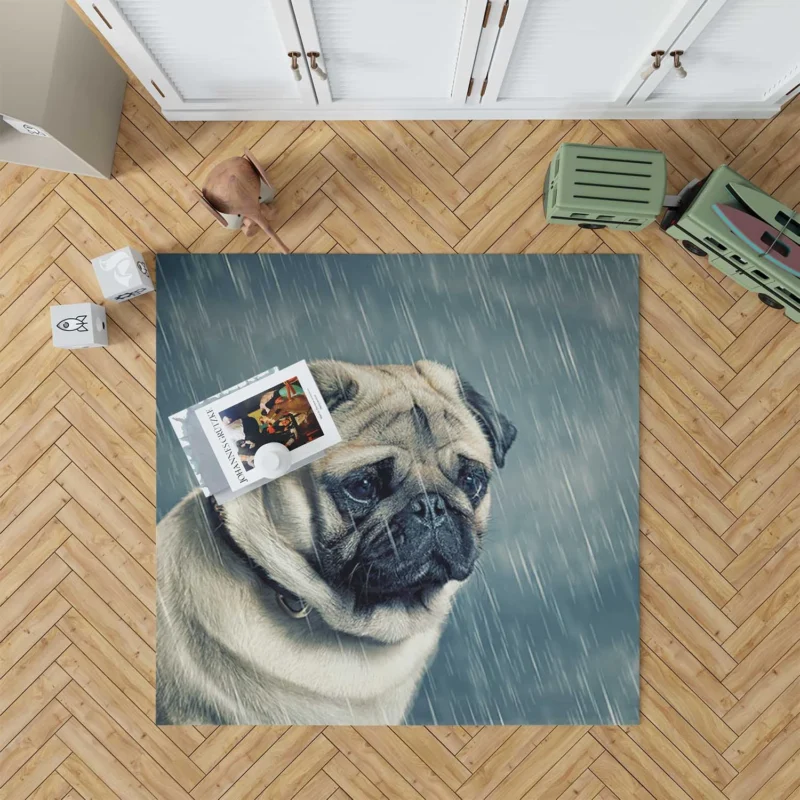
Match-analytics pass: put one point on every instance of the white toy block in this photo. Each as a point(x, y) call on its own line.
point(78, 325)
point(122, 274)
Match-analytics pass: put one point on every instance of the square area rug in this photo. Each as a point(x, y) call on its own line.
point(468, 554)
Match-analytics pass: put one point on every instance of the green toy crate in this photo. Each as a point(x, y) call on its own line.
point(702, 232)
point(605, 187)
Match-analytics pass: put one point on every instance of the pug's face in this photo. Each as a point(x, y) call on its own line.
point(403, 502)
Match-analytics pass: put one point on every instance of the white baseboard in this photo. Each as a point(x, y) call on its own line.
point(649, 111)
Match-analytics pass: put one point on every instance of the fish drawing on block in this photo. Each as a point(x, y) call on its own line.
point(763, 238)
point(76, 324)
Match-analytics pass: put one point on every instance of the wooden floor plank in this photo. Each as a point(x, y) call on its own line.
point(764, 400)
point(619, 782)
point(28, 525)
point(276, 141)
point(209, 135)
point(372, 224)
point(31, 556)
point(475, 134)
point(102, 472)
point(674, 582)
point(765, 436)
point(437, 143)
point(780, 348)
point(681, 554)
point(31, 629)
point(492, 154)
point(645, 769)
point(97, 215)
point(222, 776)
point(685, 628)
point(759, 517)
point(141, 747)
point(37, 769)
point(768, 615)
point(691, 707)
point(702, 140)
point(298, 154)
point(159, 131)
point(765, 728)
point(155, 164)
point(681, 516)
point(695, 386)
point(672, 436)
point(695, 276)
point(154, 199)
point(763, 146)
point(685, 303)
point(685, 339)
point(110, 589)
point(111, 518)
point(764, 474)
point(502, 763)
point(100, 761)
point(684, 412)
point(761, 585)
point(31, 484)
point(12, 176)
point(37, 697)
point(659, 713)
point(83, 781)
point(782, 675)
point(498, 183)
point(26, 198)
point(419, 161)
point(351, 781)
point(394, 190)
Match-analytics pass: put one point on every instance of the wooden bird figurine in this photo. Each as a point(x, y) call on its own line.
point(233, 187)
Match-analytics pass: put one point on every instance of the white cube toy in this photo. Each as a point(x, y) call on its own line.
point(78, 325)
point(122, 274)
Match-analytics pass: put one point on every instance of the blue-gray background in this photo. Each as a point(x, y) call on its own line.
point(547, 630)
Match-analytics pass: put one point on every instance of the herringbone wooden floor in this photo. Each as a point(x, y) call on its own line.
point(720, 412)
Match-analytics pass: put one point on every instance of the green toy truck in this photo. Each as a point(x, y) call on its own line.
point(605, 187)
point(613, 187)
point(703, 233)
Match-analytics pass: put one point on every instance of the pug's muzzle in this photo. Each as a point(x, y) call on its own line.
point(423, 547)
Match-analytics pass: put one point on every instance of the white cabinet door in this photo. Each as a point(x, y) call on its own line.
point(408, 54)
point(562, 54)
point(736, 51)
point(208, 54)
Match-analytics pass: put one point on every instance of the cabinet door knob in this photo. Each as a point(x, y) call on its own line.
point(295, 66)
point(315, 68)
point(676, 60)
point(651, 68)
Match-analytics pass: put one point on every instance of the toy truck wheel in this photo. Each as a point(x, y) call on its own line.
point(592, 226)
point(693, 248)
point(769, 301)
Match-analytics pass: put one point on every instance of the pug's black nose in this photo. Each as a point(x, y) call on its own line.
point(430, 509)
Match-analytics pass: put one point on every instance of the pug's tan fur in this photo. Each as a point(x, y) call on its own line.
point(228, 654)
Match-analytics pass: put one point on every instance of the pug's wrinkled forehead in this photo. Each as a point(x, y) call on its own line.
point(417, 413)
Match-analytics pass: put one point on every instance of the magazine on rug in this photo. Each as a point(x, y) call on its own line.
point(280, 406)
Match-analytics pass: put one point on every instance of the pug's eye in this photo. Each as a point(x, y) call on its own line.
point(472, 484)
point(473, 481)
point(362, 489)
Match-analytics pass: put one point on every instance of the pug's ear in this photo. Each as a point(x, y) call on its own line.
point(336, 382)
point(497, 428)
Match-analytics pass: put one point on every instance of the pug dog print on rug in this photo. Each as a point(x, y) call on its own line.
point(321, 596)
